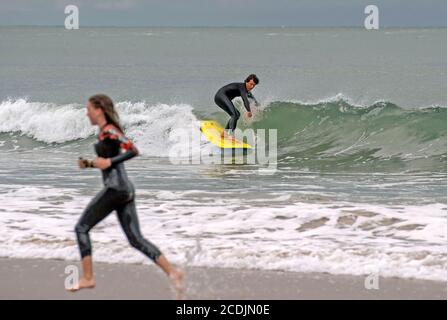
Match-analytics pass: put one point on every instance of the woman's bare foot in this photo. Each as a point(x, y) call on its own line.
point(83, 284)
point(176, 278)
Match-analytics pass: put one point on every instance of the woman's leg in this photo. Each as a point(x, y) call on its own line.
point(98, 208)
point(128, 218)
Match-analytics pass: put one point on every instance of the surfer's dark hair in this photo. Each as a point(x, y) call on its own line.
point(106, 105)
point(252, 77)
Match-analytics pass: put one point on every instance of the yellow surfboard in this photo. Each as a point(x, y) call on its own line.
point(213, 133)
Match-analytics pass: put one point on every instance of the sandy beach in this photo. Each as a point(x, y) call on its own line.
point(44, 279)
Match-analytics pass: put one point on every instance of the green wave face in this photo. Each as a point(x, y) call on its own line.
point(337, 136)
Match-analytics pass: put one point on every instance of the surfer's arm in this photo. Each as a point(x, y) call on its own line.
point(251, 96)
point(126, 144)
point(245, 100)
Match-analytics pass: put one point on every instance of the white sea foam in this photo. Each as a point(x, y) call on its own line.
point(340, 238)
point(151, 126)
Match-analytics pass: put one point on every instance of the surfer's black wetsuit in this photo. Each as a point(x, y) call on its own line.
point(118, 194)
point(223, 99)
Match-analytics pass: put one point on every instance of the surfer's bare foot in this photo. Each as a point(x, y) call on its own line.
point(176, 278)
point(228, 136)
point(83, 284)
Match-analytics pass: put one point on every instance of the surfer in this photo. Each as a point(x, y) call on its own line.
point(227, 93)
point(117, 195)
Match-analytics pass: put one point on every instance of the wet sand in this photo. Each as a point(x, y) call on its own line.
point(45, 279)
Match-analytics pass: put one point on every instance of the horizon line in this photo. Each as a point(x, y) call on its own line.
point(223, 26)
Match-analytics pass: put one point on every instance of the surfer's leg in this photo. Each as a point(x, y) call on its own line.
point(234, 119)
point(224, 103)
point(128, 218)
point(219, 100)
point(232, 123)
point(98, 208)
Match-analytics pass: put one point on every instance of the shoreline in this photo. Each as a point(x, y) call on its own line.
point(31, 279)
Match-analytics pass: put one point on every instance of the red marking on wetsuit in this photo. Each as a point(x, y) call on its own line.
point(113, 133)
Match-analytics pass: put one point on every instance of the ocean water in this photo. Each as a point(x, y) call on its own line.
point(360, 185)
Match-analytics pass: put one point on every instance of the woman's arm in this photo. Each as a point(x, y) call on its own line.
point(126, 144)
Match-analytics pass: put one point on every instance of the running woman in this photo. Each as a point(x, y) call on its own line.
point(117, 195)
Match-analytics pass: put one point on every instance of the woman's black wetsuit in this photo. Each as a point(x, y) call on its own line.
point(118, 194)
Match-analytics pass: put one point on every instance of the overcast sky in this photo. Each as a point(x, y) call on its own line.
point(224, 12)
